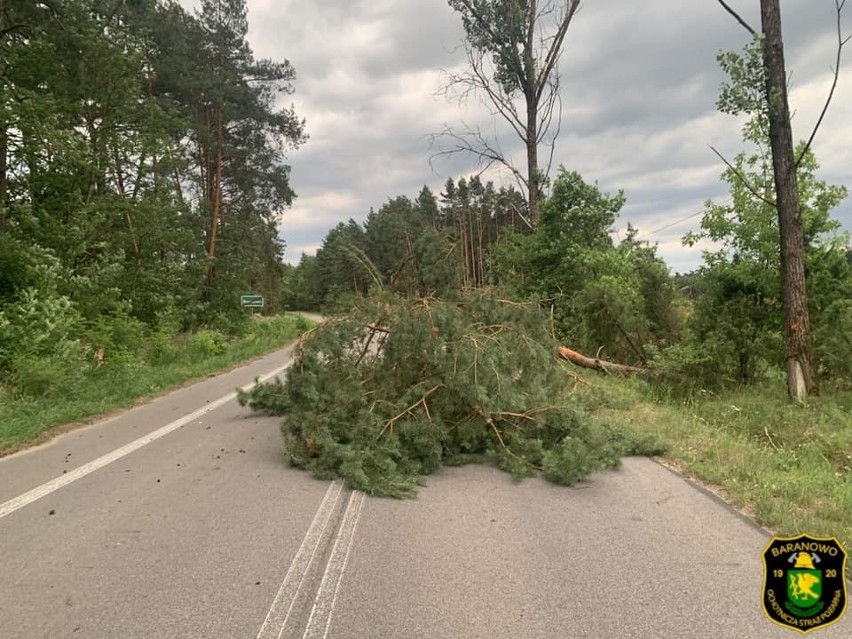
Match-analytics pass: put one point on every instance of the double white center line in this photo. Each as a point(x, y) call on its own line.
point(282, 619)
point(319, 623)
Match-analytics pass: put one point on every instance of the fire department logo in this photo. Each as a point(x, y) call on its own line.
point(804, 584)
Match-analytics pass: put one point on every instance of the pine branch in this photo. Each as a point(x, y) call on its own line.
point(526, 462)
point(393, 420)
point(378, 329)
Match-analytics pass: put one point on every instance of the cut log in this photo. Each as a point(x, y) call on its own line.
point(598, 364)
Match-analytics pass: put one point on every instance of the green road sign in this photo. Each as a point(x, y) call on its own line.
point(251, 301)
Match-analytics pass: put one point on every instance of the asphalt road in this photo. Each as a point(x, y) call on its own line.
point(181, 518)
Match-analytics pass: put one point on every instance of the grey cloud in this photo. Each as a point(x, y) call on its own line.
point(640, 83)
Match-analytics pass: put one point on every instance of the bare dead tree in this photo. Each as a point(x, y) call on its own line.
point(513, 49)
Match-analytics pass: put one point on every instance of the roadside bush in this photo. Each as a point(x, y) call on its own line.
point(833, 340)
point(161, 344)
point(35, 325)
point(114, 339)
point(37, 351)
point(278, 325)
point(40, 376)
point(206, 343)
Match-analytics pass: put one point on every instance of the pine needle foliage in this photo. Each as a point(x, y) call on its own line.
point(397, 388)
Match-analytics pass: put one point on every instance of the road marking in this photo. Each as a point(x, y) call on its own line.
point(282, 606)
point(53, 485)
point(319, 623)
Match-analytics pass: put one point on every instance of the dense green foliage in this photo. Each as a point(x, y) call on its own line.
point(396, 388)
point(607, 298)
point(717, 327)
point(141, 175)
point(60, 392)
point(736, 319)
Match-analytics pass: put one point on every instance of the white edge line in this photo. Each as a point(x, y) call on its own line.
point(323, 608)
point(16, 503)
point(276, 618)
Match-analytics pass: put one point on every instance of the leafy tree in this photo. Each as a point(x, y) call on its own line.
point(113, 167)
point(235, 138)
point(409, 246)
point(342, 266)
point(739, 318)
point(389, 235)
point(768, 80)
point(603, 296)
point(299, 285)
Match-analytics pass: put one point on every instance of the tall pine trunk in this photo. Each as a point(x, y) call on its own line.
point(4, 147)
point(801, 376)
point(214, 196)
point(4, 150)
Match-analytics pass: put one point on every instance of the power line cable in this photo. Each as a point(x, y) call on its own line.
point(683, 219)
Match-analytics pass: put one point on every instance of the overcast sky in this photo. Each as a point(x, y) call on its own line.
point(640, 82)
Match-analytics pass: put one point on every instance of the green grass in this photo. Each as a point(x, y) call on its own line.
point(31, 419)
point(787, 465)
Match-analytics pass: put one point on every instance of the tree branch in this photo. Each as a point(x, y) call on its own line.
point(393, 420)
point(474, 142)
point(594, 363)
point(742, 178)
point(520, 214)
point(555, 135)
point(11, 29)
point(555, 48)
point(840, 42)
point(738, 18)
point(502, 103)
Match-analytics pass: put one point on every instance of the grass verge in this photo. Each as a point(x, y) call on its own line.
point(788, 466)
point(26, 420)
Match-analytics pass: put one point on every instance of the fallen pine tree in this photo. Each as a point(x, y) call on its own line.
point(397, 388)
point(597, 364)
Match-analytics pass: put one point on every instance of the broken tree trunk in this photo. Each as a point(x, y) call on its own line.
point(598, 364)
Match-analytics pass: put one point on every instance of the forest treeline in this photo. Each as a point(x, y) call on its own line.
point(717, 326)
point(143, 170)
point(142, 175)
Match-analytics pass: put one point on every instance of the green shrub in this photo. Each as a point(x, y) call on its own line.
point(206, 343)
point(40, 376)
point(35, 325)
point(161, 347)
point(833, 340)
point(115, 339)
